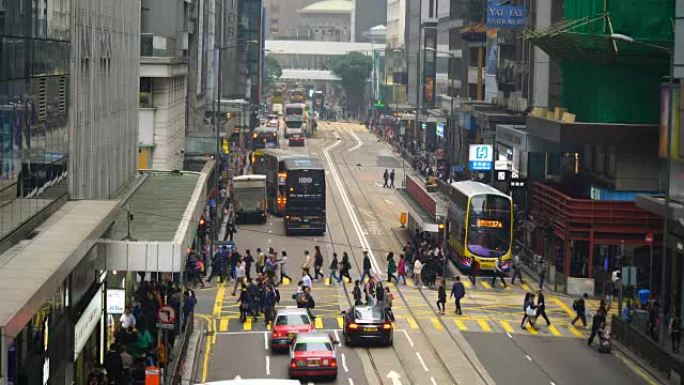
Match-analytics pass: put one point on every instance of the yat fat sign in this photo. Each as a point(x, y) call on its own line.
point(502, 16)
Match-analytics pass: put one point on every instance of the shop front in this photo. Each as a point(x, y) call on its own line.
point(89, 337)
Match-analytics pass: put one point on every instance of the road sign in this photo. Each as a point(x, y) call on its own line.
point(166, 315)
point(480, 157)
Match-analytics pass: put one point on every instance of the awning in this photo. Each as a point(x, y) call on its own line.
point(32, 271)
point(166, 208)
point(426, 221)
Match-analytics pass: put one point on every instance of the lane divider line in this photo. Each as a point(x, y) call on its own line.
point(268, 365)
point(422, 363)
point(265, 340)
point(344, 362)
point(359, 143)
point(408, 337)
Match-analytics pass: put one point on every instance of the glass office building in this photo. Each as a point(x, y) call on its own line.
point(34, 99)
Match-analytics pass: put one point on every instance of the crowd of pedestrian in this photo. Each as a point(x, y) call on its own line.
point(134, 347)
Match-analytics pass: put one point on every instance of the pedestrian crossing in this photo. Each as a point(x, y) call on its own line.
point(232, 324)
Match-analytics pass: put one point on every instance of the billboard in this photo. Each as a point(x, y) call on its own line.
point(664, 111)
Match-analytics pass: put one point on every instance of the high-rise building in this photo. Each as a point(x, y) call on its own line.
point(282, 18)
point(366, 15)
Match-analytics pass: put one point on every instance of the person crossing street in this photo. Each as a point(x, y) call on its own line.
point(385, 177)
point(366, 266)
point(458, 292)
point(318, 263)
point(498, 273)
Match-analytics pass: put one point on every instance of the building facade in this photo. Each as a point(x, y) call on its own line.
point(103, 125)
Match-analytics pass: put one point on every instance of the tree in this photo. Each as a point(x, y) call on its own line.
point(273, 71)
point(354, 69)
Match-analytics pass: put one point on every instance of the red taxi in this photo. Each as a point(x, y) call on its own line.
point(288, 323)
point(313, 355)
point(296, 140)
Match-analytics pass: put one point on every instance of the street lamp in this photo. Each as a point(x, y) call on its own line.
point(217, 125)
point(668, 166)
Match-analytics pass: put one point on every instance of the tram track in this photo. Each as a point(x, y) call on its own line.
point(370, 353)
point(342, 160)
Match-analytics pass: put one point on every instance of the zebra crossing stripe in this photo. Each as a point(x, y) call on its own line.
point(484, 325)
point(507, 326)
point(460, 325)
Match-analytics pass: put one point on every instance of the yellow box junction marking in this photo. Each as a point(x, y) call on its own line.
point(507, 326)
point(484, 325)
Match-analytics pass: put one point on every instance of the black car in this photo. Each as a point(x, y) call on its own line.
point(367, 324)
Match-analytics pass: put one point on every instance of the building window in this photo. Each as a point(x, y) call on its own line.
point(146, 93)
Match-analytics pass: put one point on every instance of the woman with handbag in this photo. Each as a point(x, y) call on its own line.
point(530, 311)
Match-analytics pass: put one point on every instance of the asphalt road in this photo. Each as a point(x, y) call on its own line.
point(483, 346)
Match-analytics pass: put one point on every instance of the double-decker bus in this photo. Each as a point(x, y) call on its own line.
point(295, 186)
point(249, 203)
point(297, 96)
point(278, 96)
point(264, 137)
point(480, 222)
point(305, 196)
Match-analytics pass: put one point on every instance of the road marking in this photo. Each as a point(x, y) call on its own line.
point(247, 325)
point(344, 362)
point(574, 331)
point(215, 329)
point(351, 382)
point(528, 357)
point(484, 325)
point(509, 335)
point(412, 323)
point(269, 326)
point(552, 383)
point(526, 287)
point(467, 284)
point(359, 143)
point(388, 201)
point(223, 326)
point(460, 325)
point(246, 332)
point(326, 281)
point(207, 348)
point(436, 323)
point(486, 285)
point(507, 326)
point(268, 365)
point(408, 337)
point(350, 211)
point(318, 323)
point(422, 363)
point(563, 306)
point(265, 340)
point(337, 337)
point(432, 379)
point(531, 329)
point(340, 322)
point(554, 331)
point(648, 378)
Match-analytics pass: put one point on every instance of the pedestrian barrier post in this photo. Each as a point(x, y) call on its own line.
point(152, 375)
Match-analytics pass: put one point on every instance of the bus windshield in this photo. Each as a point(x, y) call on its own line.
point(293, 123)
point(249, 198)
point(294, 111)
point(489, 226)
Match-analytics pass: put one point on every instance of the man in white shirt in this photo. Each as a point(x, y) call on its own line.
point(239, 274)
point(306, 280)
point(127, 319)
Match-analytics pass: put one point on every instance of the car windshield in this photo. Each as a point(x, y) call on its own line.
point(369, 314)
point(313, 346)
point(293, 320)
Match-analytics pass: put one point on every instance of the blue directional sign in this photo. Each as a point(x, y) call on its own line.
point(480, 157)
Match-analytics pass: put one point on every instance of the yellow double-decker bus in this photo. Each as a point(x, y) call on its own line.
point(480, 225)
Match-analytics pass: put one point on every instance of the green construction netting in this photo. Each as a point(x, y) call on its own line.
point(606, 93)
point(605, 80)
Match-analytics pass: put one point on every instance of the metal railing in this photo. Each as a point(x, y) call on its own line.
point(649, 349)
